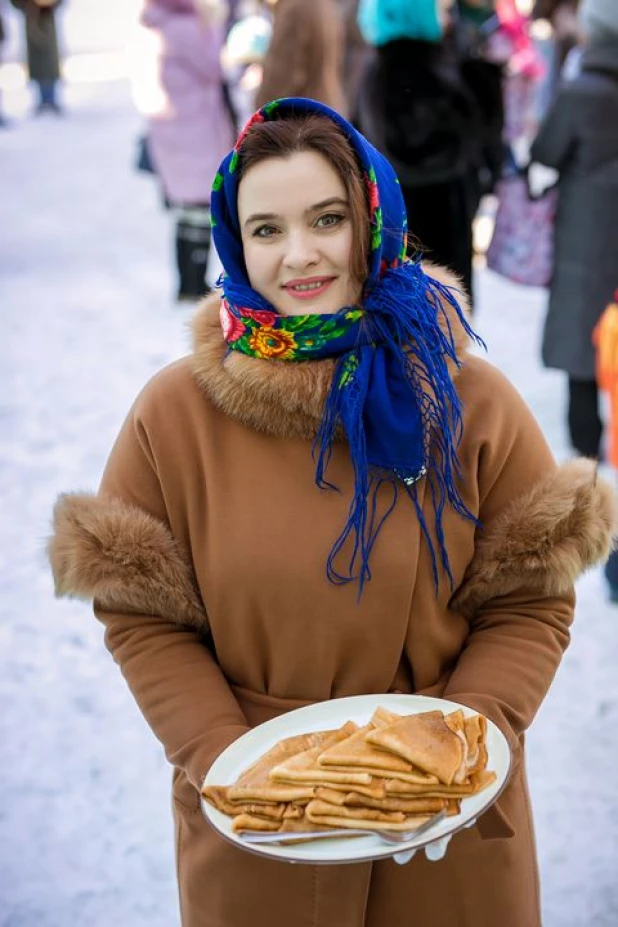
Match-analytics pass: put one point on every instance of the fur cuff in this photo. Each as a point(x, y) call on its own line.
point(123, 558)
point(128, 561)
point(545, 539)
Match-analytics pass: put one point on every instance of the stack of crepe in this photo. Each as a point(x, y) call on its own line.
point(390, 774)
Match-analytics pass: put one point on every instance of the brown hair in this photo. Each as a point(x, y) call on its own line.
point(280, 138)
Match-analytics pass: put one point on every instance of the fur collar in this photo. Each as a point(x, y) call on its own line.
point(126, 560)
point(278, 398)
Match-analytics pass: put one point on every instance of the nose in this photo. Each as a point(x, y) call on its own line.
point(301, 250)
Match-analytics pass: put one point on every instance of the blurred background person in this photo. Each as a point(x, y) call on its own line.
point(245, 48)
point(190, 126)
point(42, 53)
point(436, 112)
point(305, 55)
point(562, 14)
point(357, 54)
point(579, 139)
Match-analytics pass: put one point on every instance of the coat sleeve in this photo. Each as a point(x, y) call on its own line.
point(287, 62)
point(556, 138)
point(169, 667)
point(516, 639)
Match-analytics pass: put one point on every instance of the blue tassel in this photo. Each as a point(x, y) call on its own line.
point(403, 316)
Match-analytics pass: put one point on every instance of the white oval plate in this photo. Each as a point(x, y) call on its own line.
point(331, 715)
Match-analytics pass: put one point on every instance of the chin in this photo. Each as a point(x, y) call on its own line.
point(308, 308)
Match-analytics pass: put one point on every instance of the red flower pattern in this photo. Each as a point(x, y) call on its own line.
point(233, 328)
point(263, 316)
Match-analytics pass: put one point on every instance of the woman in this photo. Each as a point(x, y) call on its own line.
point(579, 138)
point(437, 116)
point(235, 584)
point(190, 126)
point(305, 54)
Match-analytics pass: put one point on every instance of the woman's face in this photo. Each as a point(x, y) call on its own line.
point(297, 234)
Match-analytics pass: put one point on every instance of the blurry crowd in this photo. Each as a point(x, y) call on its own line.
point(466, 98)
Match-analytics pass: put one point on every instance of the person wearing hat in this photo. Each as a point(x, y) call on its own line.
point(579, 138)
point(332, 496)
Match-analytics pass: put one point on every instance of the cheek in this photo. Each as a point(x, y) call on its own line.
point(257, 264)
point(341, 253)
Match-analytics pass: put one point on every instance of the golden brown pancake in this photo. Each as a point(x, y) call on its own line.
point(426, 741)
point(356, 751)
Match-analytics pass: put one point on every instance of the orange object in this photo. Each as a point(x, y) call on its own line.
point(605, 340)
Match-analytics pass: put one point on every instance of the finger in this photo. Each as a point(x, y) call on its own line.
point(436, 850)
point(403, 858)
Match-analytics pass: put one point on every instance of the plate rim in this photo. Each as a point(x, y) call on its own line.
point(377, 853)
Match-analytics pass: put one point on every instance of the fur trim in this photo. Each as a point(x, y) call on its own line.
point(124, 558)
point(128, 561)
point(545, 539)
point(278, 398)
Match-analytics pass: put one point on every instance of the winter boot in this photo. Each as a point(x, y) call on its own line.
point(193, 234)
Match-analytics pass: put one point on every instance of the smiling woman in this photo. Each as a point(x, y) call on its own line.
point(299, 255)
point(332, 497)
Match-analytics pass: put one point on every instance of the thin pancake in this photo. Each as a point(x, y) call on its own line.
point(356, 751)
point(426, 741)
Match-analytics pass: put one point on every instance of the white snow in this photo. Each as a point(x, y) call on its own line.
point(88, 315)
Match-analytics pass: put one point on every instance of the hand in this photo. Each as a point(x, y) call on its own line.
point(434, 851)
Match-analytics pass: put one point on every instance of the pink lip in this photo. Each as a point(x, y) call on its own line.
point(308, 294)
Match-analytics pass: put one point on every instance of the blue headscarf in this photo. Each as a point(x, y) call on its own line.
point(392, 391)
point(382, 21)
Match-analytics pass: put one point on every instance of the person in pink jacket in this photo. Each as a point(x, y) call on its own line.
point(190, 126)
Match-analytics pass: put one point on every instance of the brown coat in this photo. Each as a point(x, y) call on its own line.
point(305, 55)
point(205, 553)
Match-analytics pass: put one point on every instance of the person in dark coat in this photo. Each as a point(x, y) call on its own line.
point(437, 114)
point(579, 138)
point(42, 50)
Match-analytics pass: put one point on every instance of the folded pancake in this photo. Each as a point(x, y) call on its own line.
point(305, 767)
point(376, 789)
point(415, 777)
point(318, 808)
point(475, 730)
point(356, 751)
point(414, 805)
point(426, 741)
point(252, 822)
point(254, 785)
point(338, 820)
point(477, 782)
point(257, 773)
point(382, 717)
point(272, 793)
point(217, 797)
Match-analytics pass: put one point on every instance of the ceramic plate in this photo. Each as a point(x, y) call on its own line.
point(331, 715)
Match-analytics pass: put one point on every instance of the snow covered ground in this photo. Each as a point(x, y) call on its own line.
point(87, 316)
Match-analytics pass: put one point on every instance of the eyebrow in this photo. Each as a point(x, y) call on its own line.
point(323, 204)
